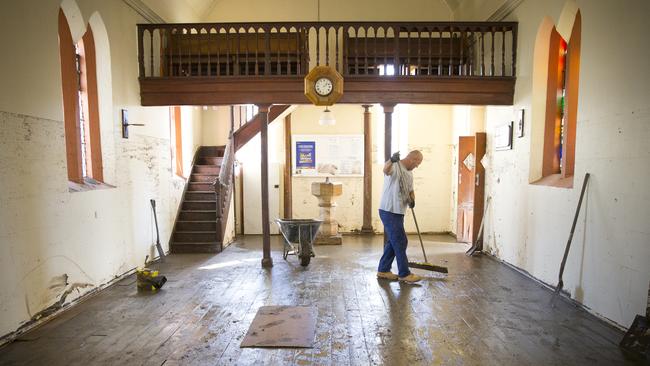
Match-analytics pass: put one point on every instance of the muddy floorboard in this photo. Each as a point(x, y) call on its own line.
point(482, 313)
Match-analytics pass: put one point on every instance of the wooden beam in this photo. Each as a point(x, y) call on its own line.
point(388, 129)
point(367, 171)
point(287, 169)
point(267, 261)
point(358, 90)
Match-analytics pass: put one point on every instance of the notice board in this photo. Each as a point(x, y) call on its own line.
point(327, 155)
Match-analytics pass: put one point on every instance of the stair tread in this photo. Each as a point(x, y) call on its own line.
point(196, 231)
point(199, 191)
point(196, 243)
point(185, 210)
point(212, 201)
point(211, 221)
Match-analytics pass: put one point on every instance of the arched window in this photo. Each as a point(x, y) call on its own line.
point(562, 103)
point(556, 73)
point(80, 104)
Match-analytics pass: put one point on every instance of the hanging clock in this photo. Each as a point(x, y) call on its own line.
point(323, 85)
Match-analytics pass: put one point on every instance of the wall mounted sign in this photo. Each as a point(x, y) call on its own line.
point(305, 155)
point(503, 137)
point(327, 155)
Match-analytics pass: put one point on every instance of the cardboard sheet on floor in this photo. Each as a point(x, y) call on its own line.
point(282, 326)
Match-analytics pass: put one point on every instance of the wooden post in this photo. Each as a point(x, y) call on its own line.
point(367, 171)
point(388, 125)
point(267, 261)
point(287, 168)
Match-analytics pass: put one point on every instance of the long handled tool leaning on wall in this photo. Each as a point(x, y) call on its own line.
point(560, 283)
point(420, 265)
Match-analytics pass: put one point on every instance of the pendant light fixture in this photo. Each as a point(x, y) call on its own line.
point(327, 118)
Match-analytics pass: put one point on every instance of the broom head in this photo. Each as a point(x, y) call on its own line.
point(428, 267)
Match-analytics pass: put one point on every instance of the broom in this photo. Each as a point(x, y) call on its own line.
point(420, 265)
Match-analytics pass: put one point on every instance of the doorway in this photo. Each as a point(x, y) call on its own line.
point(471, 186)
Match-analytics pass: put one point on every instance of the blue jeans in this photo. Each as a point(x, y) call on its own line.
point(395, 246)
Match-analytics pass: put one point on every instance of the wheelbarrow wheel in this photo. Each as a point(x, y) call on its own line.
point(304, 260)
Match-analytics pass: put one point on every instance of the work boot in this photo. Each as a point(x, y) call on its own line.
point(412, 278)
point(387, 276)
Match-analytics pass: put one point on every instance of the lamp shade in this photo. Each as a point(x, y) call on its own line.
point(327, 118)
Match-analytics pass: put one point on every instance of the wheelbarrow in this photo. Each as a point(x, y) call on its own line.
point(299, 234)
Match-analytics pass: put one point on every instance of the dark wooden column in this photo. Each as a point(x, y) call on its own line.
point(367, 171)
point(388, 125)
point(287, 168)
point(267, 261)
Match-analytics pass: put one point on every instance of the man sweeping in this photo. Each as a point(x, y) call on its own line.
point(396, 196)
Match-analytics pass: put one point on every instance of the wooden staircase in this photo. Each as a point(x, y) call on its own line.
point(203, 213)
point(196, 229)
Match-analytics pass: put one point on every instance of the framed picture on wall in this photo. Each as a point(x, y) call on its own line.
point(503, 137)
point(519, 123)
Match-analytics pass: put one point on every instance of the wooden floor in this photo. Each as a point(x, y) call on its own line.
point(482, 313)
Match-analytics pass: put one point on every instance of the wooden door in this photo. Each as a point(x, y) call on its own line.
point(471, 178)
point(466, 160)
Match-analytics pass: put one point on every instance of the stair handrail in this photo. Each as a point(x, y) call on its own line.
point(223, 186)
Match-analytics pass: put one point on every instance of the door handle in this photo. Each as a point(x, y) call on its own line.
point(460, 178)
point(478, 178)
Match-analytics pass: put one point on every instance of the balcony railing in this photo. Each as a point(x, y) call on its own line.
point(382, 49)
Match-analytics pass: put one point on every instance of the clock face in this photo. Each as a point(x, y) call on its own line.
point(323, 86)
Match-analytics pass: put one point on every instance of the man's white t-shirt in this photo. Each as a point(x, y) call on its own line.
point(392, 198)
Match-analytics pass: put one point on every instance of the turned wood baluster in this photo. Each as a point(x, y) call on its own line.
point(356, 51)
point(482, 53)
point(492, 51)
point(337, 48)
point(218, 44)
point(514, 50)
point(170, 36)
point(207, 37)
point(396, 35)
point(246, 48)
point(227, 42)
point(375, 69)
point(365, 51)
point(451, 50)
point(418, 70)
point(298, 46)
point(407, 67)
point(151, 50)
point(141, 51)
point(279, 41)
point(237, 66)
point(461, 64)
point(327, 46)
point(317, 45)
point(470, 72)
point(288, 52)
point(503, 51)
point(429, 35)
point(439, 52)
point(385, 51)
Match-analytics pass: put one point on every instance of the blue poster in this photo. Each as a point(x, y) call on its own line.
point(305, 155)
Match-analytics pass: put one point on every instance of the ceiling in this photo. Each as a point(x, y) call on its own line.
point(202, 8)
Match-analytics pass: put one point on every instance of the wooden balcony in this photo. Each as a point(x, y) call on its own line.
point(389, 62)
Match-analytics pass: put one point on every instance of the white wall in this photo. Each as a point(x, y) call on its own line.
point(46, 231)
point(429, 129)
point(294, 10)
point(528, 225)
point(215, 126)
